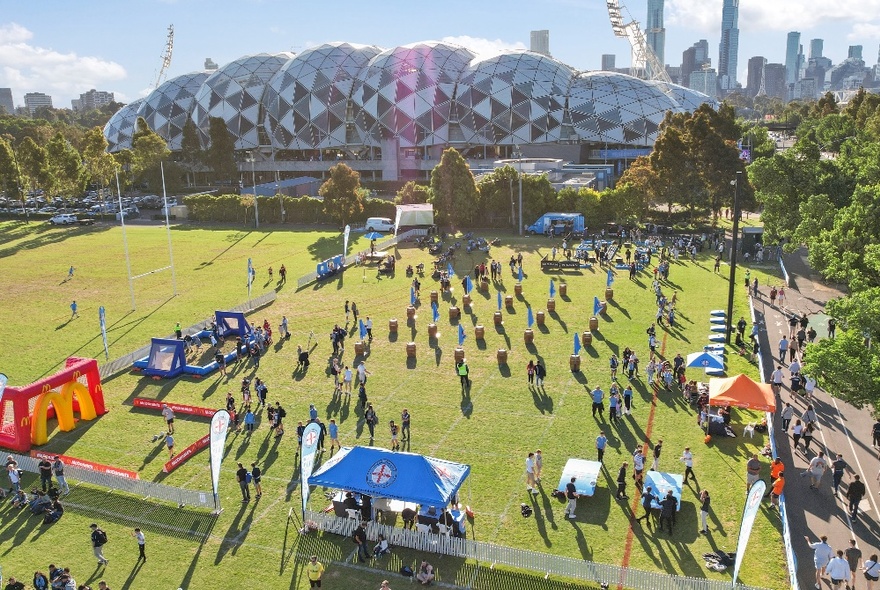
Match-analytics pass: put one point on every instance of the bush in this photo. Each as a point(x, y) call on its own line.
point(231, 209)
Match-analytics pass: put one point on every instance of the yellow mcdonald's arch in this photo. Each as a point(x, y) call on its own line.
point(63, 403)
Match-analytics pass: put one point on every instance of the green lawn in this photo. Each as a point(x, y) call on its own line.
point(492, 429)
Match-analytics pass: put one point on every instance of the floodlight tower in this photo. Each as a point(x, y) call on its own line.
point(166, 57)
point(645, 64)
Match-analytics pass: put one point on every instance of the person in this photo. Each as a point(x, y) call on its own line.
point(627, 399)
point(404, 423)
point(142, 544)
point(40, 582)
point(530, 371)
point(241, 477)
point(838, 466)
point(73, 312)
point(822, 553)
point(601, 443)
point(658, 448)
point(688, 459)
point(530, 474)
point(371, 418)
point(314, 570)
point(838, 570)
point(384, 585)
point(854, 493)
point(394, 428)
point(783, 348)
point(14, 584)
point(425, 574)
point(333, 432)
point(257, 479)
point(540, 373)
point(99, 539)
point(796, 432)
point(872, 570)
point(816, 469)
point(168, 414)
point(461, 369)
point(598, 406)
point(741, 326)
point(787, 415)
point(102, 585)
point(58, 470)
point(178, 332)
point(621, 482)
point(668, 506)
point(381, 548)
point(354, 311)
point(539, 464)
point(360, 538)
point(45, 474)
point(647, 499)
point(776, 488)
point(853, 557)
point(776, 379)
point(705, 503)
point(638, 466)
point(169, 443)
point(875, 434)
point(572, 496)
point(832, 327)
point(753, 471)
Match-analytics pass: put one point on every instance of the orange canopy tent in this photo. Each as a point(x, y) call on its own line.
point(741, 392)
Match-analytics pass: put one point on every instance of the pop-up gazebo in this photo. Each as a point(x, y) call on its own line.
point(741, 392)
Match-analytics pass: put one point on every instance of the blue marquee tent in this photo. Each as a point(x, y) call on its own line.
point(400, 476)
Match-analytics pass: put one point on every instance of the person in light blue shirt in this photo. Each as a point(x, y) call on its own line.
point(333, 431)
point(249, 421)
point(598, 396)
point(613, 404)
point(627, 399)
point(601, 443)
point(313, 412)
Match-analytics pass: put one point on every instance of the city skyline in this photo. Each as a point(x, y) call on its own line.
point(38, 53)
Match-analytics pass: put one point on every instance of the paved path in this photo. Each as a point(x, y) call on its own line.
point(843, 429)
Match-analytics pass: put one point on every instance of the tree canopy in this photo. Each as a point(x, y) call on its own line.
point(454, 190)
point(343, 197)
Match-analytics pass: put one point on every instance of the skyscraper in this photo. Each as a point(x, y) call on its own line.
point(608, 61)
point(6, 104)
point(705, 81)
point(792, 57)
point(540, 42)
point(755, 75)
point(855, 52)
point(816, 46)
point(35, 100)
point(656, 34)
point(693, 59)
point(729, 46)
point(774, 81)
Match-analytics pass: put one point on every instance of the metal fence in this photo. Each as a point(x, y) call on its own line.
point(491, 554)
point(123, 363)
point(135, 487)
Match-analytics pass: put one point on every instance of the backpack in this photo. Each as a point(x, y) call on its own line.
point(248, 477)
point(406, 571)
point(282, 413)
point(101, 537)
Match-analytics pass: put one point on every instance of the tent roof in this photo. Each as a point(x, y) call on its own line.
point(400, 476)
point(741, 392)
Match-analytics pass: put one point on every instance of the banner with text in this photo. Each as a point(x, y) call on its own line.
point(152, 404)
point(750, 511)
point(311, 435)
point(218, 432)
point(88, 465)
point(185, 455)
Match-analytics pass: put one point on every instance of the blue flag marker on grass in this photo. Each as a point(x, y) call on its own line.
point(552, 289)
point(362, 328)
point(520, 275)
point(460, 335)
point(610, 280)
point(412, 296)
point(577, 344)
point(449, 270)
point(499, 300)
point(530, 319)
point(435, 311)
point(468, 285)
point(596, 305)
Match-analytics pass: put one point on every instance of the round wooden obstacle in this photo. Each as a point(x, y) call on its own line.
point(529, 336)
point(479, 332)
point(466, 300)
point(497, 318)
point(594, 324)
point(517, 289)
point(587, 339)
point(508, 301)
point(358, 348)
point(411, 350)
point(484, 285)
point(609, 294)
point(459, 354)
point(434, 297)
point(432, 330)
point(563, 289)
point(502, 356)
point(454, 313)
point(410, 312)
point(392, 326)
point(551, 305)
point(539, 317)
point(574, 363)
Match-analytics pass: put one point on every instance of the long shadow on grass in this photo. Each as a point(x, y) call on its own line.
point(236, 239)
point(44, 235)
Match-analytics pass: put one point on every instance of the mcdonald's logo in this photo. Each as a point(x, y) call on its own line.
point(46, 388)
point(76, 375)
point(62, 401)
point(25, 421)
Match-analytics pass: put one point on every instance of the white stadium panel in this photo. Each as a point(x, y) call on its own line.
point(167, 108)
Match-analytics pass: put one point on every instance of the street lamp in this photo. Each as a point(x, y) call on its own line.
point(732, 280)
point(250, 158)
point(518, 155)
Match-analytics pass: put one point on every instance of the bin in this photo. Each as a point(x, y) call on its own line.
point(574, 363)
point(411, 350)
point(392, 326)
point(502, 356)
point(551, 305)
point(529, 336)
point(479, 332)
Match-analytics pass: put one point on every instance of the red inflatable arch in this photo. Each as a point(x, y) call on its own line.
point(25, 410)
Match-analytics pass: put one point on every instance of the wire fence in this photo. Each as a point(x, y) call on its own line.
point(124, 362)
point(491, 554)
point(135, 487)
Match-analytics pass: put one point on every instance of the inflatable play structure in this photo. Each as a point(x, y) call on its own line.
point(167, 358)
point(24, 411)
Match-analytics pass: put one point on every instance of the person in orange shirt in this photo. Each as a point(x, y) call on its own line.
point(776, 467)
point(778, 484)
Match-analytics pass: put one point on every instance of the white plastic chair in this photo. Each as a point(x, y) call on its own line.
point(444, 529)
point(353, 514)
point(423, 528)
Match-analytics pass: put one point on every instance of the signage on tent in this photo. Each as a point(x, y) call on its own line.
point(382, 474)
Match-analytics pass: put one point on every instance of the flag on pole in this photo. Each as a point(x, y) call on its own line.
point(449, 270)
point(577, 344)
point(217, 443)
point(610, 279)
point(460, 335)
point(499, 300)
point(345, 240)
point(468, 285)
point(250, 277)
point(412, 296)
point(103, 321)
point(750, 511)
point(530, 319)
point(596, 305)
point(311, 435)
point(435, 311)
point(520, 275)
point(362, 328)
point(552, 289)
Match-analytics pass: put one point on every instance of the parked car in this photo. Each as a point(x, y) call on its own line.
point(63, 219)
point(379, 224)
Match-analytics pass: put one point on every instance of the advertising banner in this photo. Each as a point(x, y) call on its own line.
point(217, 435)
point(750, 511)
point(307, 461)
point(89, 465)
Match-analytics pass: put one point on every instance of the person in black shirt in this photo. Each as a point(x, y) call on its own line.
point(241, 478)
point(705, 502)
point(45, 474)
point(571, 494)
point(647, 499)
point(667, 510)
point(854, 493)
point(360, 537)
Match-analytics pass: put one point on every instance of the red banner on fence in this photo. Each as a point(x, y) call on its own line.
point(186, 454)
point(83, 464)
point(152, 404)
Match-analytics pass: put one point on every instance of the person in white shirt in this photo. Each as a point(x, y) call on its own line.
point(817, 468)
point(530, 473)
point(776, 379)
point(688, 459)
point(838, 570)
point(362, 372)
point(809, 386)
point(168, 414)
point(142, 544)
point(787, 415)
point(821, 557)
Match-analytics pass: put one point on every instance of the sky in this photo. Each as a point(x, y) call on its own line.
point(64, 48)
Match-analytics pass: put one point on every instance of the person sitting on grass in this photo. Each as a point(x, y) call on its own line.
point(425, 574)
point(19, 499)
point(381, 547)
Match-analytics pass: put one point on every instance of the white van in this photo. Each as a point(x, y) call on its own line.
point(379, 224)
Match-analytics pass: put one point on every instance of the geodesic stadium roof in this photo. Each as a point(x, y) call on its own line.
point(689, 99)
point(234, 93)
point(306, 100)
point(168, 107)
point(407, 93)
point(121, 127)
point(616, 108)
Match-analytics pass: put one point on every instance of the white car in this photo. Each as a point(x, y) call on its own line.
point(63, 219)
point(379, 224)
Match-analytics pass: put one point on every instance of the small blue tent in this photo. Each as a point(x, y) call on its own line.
point(232, 323)
point(400, 476)
point(166, 358)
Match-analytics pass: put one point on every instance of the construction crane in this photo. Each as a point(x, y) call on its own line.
point(166, 57)
point(645, 64)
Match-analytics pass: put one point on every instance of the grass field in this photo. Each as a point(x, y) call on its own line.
point(492, 428)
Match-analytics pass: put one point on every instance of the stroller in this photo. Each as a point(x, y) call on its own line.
point(719, 560)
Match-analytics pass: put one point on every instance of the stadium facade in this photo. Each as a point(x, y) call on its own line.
point(390, 113)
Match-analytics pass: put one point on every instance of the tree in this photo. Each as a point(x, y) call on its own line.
point(34, 164)
point(343, 198)
point(10, 175)
point(453, 190)
point(100, 165)
point(412, 193)
point(148, 150)
point(191, 154)
point(66, 174)
point(220, 157)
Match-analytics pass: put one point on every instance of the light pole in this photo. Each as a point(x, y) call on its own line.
point(252, 160)
point(518, 154)
point(732, 280)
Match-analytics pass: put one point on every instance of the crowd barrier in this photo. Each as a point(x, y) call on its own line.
point(785, 276)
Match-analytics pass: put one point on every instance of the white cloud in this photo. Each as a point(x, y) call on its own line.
point(484, 48)
point(862, 31)
point(26, 67)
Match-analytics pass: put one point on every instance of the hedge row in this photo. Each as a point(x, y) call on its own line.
point(233, 209)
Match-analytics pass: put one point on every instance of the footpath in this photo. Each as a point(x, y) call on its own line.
point(843, 429)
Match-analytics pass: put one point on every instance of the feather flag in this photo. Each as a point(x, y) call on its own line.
point(362, 328)
point(530, 319)
point(412, 296)
point(435, 310)
point(596, 306)
point(449, 270)
point(552, 289)
point(577, 344)
point(499, 300)
point(520, 275)
point(468, 285)
point(460, 335)
point(610, 280)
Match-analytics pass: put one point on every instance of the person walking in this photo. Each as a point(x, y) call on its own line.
point(783, 348)
point(572, 495)
point(822, 553)
point(601, 443)
point(540, 373)
point(647, 500)
point(838, 466)
point(99, 539)
point(372, 419)
point(530, 371)
point(530, 474)
point(73, 312)
point(872, 570)
point(169, 444)
point(394, 429)
point(168, 415)
point(796, 432)
point(787, 415)
point(838, 570)
point(257, 479)
point(241, 476)
point(598, 406)
point(816, 469)
point(688, 459)
point(360, 538)
point(314, 570)
point(621, 482)
point(853, 557)
point(705, 504)
point(404, 424)
point(461, 369)
point(668, 506)
point(854, 493)
point(142, 544)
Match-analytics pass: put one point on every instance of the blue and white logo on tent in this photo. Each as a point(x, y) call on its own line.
point(382, 474)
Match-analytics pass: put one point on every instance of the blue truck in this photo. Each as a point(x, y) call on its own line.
point(557, 224)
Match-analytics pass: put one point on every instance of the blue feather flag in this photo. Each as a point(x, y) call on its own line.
point(610, 280)
point(577, 344)
point(435, 311)
point(520, 275)
point(530, 319)
point(468, 285)
point(552, 289)
point(412, 296)
point(460, 335)
point(449, 270)
point(499, 300)
point(596, 305)
point(362, 328)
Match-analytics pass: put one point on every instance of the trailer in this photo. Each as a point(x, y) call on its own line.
point(557, 224)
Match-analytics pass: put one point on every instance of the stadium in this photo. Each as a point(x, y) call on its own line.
point(390, 113)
